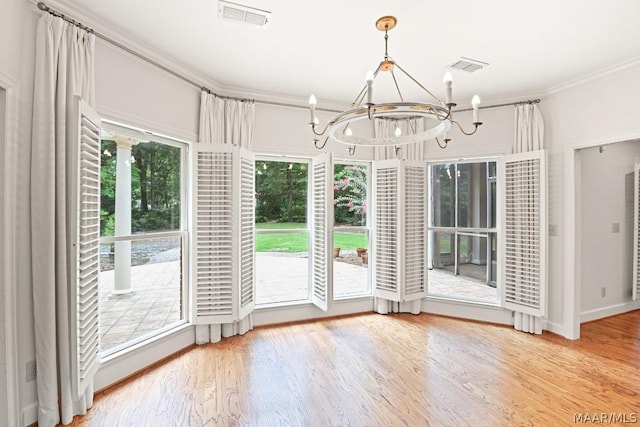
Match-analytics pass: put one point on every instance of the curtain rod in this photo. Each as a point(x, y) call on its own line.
point(529, 101)
point(45, 8)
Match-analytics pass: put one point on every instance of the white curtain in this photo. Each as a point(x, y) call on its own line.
point(529, 136)
point(416, 151)
point(225, 121)
point(64, 69)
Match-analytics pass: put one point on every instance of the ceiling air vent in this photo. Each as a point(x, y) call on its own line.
point(469, 65)
point(243, 14)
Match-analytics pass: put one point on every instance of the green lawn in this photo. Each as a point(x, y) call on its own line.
point(299, 242)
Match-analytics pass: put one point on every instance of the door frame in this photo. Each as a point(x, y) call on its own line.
point(572, 239)
point(8, 146)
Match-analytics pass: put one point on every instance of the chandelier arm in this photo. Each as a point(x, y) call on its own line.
point(446, 141)
point(417, 82)
point(445, 117)
point(397, 87)
point(351, 149)
point(313, 128)
point(315, 142)
point(475, 124)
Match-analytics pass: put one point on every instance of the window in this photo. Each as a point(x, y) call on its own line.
point(282, 234)
point(462, 231)
point(351, 229)
point(143, 236)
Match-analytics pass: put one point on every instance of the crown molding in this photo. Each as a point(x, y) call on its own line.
point(594, 76)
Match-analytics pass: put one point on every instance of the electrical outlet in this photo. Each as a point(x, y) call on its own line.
point(603, 292)
point(31, 370)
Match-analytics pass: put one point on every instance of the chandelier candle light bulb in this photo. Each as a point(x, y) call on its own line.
point(447, 80)
point(312, 104)
point(369, 80)
point(475, 103)
point(398, 132)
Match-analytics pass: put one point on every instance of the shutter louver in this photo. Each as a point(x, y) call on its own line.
point(400, 240)
point(636, 231)
point(223, 238)
point(385, 251)
point(321, 233)
point(524, 232)
point(213, 234)
point(415, 231)
point(85, 335)
point(247, 236)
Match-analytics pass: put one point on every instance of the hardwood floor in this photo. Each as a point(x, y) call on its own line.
point(395, 370)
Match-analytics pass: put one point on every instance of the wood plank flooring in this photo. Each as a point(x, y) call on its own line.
point(395, 370)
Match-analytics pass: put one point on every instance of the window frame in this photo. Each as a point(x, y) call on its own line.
point(491, 233)
point(366, 228)
point(183, 233)
point(306, 229)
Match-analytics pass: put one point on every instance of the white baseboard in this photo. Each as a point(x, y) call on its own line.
point(29, 415)
point(467, 310)
point(307, 311)
point(554, 327)
point(612, 310)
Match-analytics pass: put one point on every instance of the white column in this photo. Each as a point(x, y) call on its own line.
point(122, 256)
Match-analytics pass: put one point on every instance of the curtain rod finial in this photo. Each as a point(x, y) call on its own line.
point(43, 6)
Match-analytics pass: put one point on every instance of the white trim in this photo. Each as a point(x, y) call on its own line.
point(116, 367)
point(467, 310)
point(593, 76)
point(117, 121)
point(612, 310)
point(571, 219)
point(11, 88)
point(29, 414)
point(571, 295)
point(307, 311)
point(554, 327)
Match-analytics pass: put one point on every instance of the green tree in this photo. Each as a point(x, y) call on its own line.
point(350, 194)
point(281, 191)
point(155, 187)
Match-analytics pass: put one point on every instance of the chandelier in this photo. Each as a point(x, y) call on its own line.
point(350, 127)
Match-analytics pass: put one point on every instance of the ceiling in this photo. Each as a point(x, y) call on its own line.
point(327, 47)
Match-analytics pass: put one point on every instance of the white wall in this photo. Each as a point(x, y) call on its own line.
point(285, 131)
point(135, 92)
point(17, 34)
point(494, 137)
point(606, 198)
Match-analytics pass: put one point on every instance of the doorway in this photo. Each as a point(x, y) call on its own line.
point(605, 205)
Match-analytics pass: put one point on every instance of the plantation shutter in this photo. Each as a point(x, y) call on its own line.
point(223, 239)
point(322, 231)
point(415, 237)
point(387, 229)
point(247, 234)
point(636, 230)
point(400, 231)
point(523, 232)
point(85, 338)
